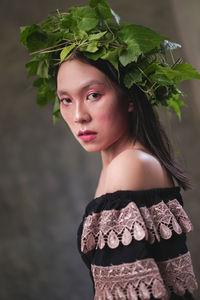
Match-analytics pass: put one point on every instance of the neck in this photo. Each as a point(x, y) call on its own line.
point(115, 149)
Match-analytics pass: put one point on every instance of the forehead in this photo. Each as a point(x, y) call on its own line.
point(75, 71)
point(74, 76)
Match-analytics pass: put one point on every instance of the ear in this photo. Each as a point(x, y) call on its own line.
point(130, 106)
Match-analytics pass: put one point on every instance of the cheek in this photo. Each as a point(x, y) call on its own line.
point(106, 112)
point(104, 117)
point(114, 114)
point(67, 117)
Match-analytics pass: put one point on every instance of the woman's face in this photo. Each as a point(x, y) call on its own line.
point(92, 106)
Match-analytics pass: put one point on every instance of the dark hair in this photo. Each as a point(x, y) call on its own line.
point(147, 129)
point(145, 125)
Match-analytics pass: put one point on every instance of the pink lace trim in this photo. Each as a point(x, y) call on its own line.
point(162, 219)
point(114, 226)
point(178, 274)
point(131, 281)
point(143, 279)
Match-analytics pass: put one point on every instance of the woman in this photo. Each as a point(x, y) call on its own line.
point(132, 237)
point(135, 189)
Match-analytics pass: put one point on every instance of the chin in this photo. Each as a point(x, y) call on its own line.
point(91, 147)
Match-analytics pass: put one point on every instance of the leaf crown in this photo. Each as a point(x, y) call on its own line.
point(96, 32)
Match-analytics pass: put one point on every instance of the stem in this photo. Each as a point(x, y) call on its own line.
point(58, 12)
point(118, 45)
point(179, 61)
point(172, 57)
point(144, 74)
point(52, 47)
point(109, 29)
point(162, 58)
point(50, 51)
point(141, 88)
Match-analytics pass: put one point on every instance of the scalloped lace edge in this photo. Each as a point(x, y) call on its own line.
point(142, 279)
point(112, 227)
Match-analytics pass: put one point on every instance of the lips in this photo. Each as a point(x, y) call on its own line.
point(87, 135)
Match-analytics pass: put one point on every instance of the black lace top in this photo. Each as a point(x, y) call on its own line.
point(133, 243)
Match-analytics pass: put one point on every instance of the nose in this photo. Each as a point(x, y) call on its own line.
point(81, 114)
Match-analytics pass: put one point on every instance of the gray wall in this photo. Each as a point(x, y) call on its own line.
point(47, 179)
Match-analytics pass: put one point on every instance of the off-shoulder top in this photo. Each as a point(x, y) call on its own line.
point(134, 244)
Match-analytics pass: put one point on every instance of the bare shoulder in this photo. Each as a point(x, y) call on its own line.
point(136, 170)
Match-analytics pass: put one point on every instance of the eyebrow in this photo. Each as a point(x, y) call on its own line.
point(84, 87)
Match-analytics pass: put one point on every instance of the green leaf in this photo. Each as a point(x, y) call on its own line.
point(131, 77)
point(175, 105)
point(88, 23)
point(169, 73)
point(186, 72)
point(139, 39)
point(32, 67)
point(66, 21)
point(56, 110)
point(56, 106)
point(39, 65)
point(96, 36)
point(81, 34)
point(64, 53)
point(160, 79)
point(68, 36)
point(26, 31)
point(151, 68)
point(46, 90)
point(43, 69)
point(92, 47)
point(34, 38)
point(96, 55)
point(179, 73)
point(85, 17)
point(22, 28)
point(94, 3)
point(38, 82)
point(44, 95)
point(130, 54)
point(112, 57)
point(102, 8)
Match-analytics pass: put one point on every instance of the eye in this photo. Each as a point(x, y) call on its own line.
point(65, 101)
point(93, 96)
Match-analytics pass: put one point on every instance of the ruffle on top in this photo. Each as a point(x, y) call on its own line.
point(135, 220)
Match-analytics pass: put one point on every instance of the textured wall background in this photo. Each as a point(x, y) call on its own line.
point(47, 179)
